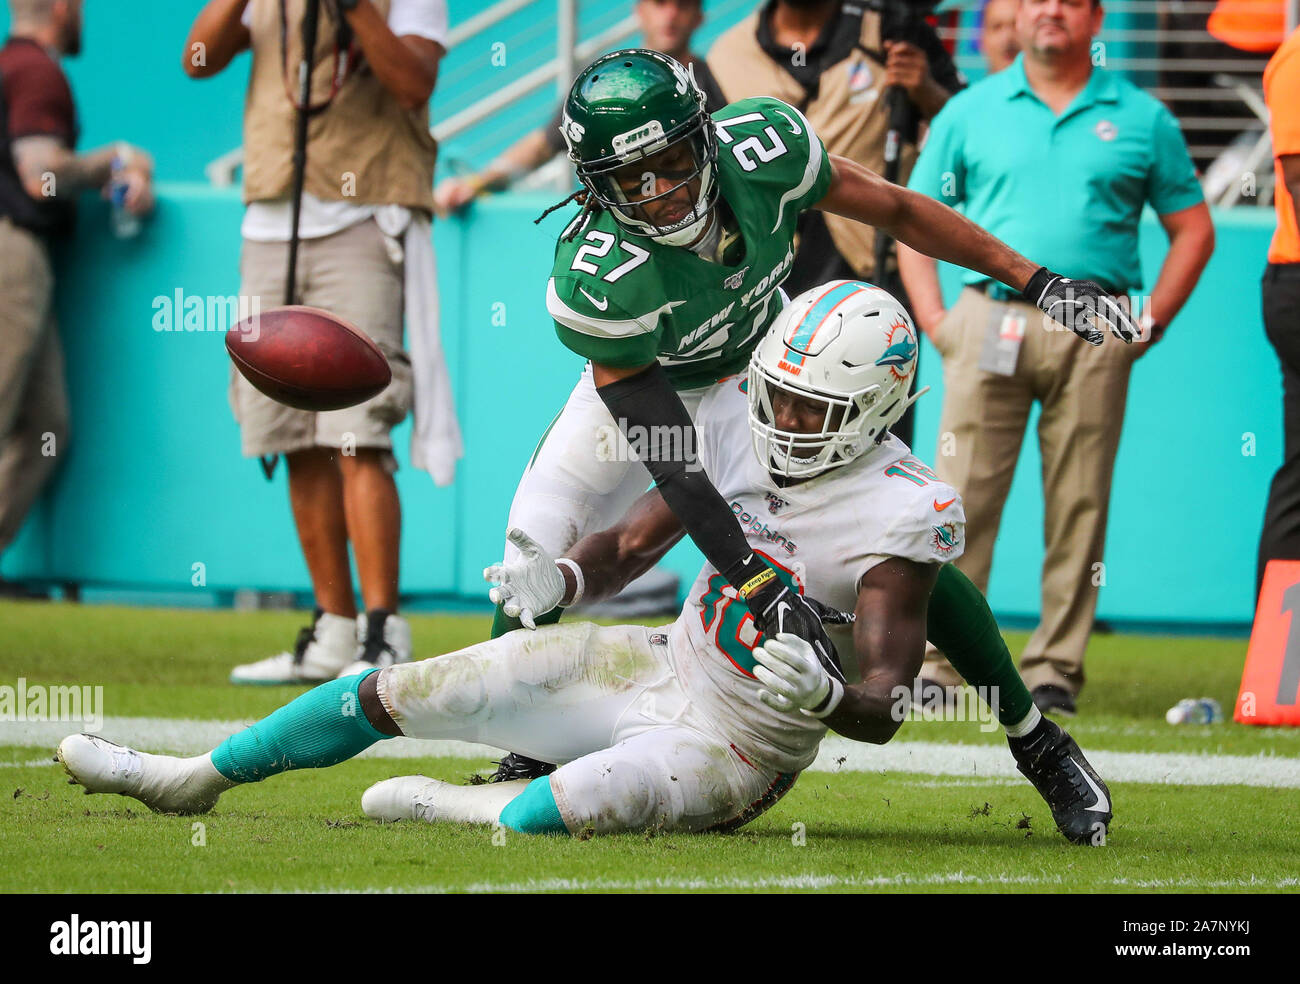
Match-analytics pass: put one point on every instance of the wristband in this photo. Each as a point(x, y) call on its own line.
point(756, 582)
point(832, 701)
point(578, 580)
point(1037, 286)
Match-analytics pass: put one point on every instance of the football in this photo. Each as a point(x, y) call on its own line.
point(307, 358)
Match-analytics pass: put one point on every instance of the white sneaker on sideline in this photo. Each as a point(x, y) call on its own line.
point(383, 638)
point(322, 649)
point(161, 782)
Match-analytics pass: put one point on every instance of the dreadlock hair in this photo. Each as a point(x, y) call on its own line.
point(589, 207)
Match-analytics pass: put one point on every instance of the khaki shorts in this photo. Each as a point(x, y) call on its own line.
point(351, 274)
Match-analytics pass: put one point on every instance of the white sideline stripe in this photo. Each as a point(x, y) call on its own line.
point(812, 882)
point(995, 761)
point(188, 736)
point(183, 736)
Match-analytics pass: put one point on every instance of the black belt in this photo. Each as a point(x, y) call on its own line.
point(999, 291)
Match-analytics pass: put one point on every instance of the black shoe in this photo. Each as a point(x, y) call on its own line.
point(1079, 800)
point(515, 766)
point(19, 591)
point(1051, 699)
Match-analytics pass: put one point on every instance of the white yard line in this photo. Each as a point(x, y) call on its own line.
point(813, 882)
point(995, 761)
point(972, 762)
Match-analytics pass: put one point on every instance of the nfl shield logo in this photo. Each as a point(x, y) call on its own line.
point(859, 76)
point(736, 279)
point(775, 502)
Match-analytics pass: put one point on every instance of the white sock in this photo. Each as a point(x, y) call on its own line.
point(1026, 724)
point(478, 804)
point(204, 775)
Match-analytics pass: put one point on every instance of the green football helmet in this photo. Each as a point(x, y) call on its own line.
point(635, 104)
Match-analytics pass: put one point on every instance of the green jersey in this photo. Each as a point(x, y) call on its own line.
point(624, 301)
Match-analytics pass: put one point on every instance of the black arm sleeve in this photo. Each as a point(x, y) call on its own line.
point(651, 415)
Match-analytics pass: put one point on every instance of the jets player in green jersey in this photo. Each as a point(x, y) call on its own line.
point(670, 275)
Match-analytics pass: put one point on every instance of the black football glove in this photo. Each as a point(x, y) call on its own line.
point(1080, 305)
point(778, 609)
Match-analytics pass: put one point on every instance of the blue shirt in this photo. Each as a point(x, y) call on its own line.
point(1066, 191)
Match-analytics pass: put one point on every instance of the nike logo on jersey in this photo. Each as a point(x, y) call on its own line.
point(941, 506)
point(1102, 805)
point(794, 127)
point(598, 305)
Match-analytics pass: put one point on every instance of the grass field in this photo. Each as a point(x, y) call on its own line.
point(939, 809)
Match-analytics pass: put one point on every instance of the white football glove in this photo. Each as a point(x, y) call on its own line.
point(794, 678)
point(530, 586)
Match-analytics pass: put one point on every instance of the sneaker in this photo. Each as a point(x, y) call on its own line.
point(1051, 699)
point(323, 648)
point(161, 782)
point(516, 766)
point(403, 798)
point(1079, 800)
point(383, 638)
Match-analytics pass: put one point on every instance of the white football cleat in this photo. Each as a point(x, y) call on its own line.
point(403, 798)
point(322, 649)
point(383, 638)
point(161, 782)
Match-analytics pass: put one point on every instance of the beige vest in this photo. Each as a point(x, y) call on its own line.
point(364, 148)
point(849, 113)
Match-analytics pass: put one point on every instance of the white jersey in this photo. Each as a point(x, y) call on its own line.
point(821, 535)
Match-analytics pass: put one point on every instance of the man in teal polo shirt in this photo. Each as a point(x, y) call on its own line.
point(1056, 158)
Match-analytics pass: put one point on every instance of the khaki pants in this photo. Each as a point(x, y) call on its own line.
point(351, 275)
point(33, 392)
point(1082, 390)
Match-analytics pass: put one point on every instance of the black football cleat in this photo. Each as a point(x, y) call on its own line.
point(516, 766)
point(1079, 800)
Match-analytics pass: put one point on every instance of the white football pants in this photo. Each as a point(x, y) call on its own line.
point(635, 753)
point(583, 476)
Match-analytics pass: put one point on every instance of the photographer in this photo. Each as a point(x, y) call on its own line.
point(836, 62)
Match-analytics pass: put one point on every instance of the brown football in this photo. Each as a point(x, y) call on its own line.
point(308, 358)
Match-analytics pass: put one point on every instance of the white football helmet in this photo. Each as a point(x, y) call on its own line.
point(848, 344)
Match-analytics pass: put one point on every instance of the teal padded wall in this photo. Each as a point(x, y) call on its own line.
point(153, 482)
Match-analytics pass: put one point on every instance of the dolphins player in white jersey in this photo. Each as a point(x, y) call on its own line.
point(705, 723)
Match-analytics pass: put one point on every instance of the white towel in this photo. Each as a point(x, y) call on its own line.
point(435, 439)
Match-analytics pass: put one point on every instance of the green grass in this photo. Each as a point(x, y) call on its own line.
point(848, 831)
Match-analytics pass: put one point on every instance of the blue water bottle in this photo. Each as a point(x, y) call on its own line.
point(124, 224)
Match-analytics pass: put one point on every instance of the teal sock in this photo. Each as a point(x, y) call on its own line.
point(962, 626)
point(503, 623)
point(534, 810)
point(325, 726)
